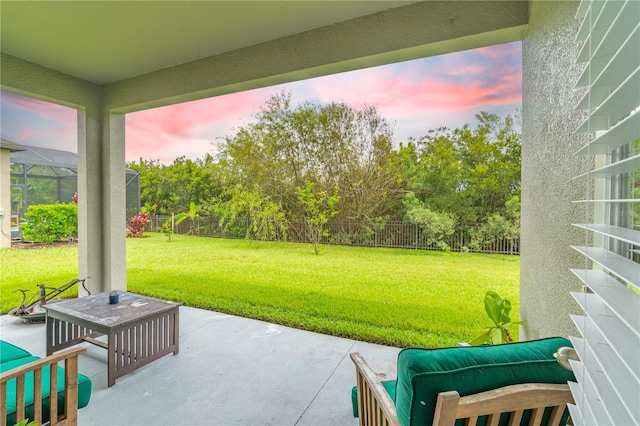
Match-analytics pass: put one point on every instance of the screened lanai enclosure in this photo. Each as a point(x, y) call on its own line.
point(50, 176)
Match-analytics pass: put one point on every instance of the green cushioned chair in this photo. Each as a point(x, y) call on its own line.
point(9, 352)
point(389, 387)
point(423, 374)
point(13, 358)
point(84, 390)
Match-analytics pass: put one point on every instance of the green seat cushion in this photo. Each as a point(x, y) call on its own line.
point(389, 386)
point(84, 390)
point(9, 352)
point(423, 373)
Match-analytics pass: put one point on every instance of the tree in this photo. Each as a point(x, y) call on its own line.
point(42, 190)
point(469, 171)
point(264, 218)
point(327, 145)
point(318, 208)
point(467, 174)
point(438, 174)
point(173, 187)
point(176, 219)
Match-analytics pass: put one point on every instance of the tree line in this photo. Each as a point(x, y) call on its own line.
point(297, 167)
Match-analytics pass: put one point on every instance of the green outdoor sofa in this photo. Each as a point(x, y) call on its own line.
point(494, 385)
point(19, 370)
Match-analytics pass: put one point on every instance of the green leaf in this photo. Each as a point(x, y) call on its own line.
point(481, 339)
point(492, 305)
point(497, 336)
point(506, 308)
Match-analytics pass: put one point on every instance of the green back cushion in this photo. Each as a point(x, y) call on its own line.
point(9, 352)
point(389, 386)
point(84, 390)
point(423, 373)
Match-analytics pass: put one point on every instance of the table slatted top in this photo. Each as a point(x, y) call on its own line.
point(96, 308)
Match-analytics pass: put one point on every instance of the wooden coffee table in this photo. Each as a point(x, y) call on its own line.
point(139, 329)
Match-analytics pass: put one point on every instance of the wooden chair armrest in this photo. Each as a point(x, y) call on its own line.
point(70, 358)
point(514, 399)
point(375, 407)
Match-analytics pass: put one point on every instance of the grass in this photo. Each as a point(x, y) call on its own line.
point(389, 296)
point(24, 269)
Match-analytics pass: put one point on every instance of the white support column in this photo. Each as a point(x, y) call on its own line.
point(114, 201)
point(90, 215)
point(5, 199)
point(101, 201)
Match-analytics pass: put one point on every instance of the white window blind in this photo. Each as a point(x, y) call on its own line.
point(607, 391)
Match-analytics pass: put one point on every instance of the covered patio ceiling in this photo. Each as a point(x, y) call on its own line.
point(243, 44)
point(103, 42)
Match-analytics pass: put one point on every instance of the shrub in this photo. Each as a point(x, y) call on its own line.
point(500, 227)
point(437, 227)
point(137, 224)
point(47, 223)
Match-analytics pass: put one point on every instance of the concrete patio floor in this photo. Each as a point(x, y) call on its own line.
point(230, 371)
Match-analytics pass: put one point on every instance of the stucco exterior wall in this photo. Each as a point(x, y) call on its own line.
point(548, 166)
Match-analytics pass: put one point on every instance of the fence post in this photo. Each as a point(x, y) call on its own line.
point(172, 228)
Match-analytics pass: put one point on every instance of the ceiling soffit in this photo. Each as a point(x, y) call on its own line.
point(106, 41)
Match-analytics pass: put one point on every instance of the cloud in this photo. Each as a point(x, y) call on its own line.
point(500, 50)
point(58, 113)
point(446, 90)
point(38, 123)
point(188, 129)
point(483, 78)
point(419, 95)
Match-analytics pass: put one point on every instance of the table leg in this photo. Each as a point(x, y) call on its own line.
point(112, 353)
point(50, 337)
point(176, 332)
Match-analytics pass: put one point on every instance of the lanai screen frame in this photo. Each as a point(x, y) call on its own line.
point(42, 161)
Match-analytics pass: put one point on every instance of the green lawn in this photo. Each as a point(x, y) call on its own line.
point(391, 296)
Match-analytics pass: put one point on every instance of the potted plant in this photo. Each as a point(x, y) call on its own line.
point(497, 310)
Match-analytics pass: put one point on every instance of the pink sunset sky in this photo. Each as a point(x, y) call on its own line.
point(415, 96)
